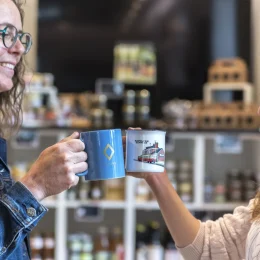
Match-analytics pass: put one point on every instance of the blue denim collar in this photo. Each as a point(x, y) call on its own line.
point(3, 151)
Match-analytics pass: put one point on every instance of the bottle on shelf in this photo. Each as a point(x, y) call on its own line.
point(170, 251)
point(48, 246)
point(86, 248)
point(102, 245)
point(114, 189)
point(171, 167)
point(140, 243)
point(36, 244)
point(84, 189)
point(154, 246)
point(96, 190)
point(72, 193)
point(208, 190)
point(220, 193)
point(117, 244)
point(74, 246)
point(184, 181)
point(142, 191)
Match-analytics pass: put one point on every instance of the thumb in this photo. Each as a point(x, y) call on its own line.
point(75, 135)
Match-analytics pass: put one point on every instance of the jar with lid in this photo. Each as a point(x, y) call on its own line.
point(185, 165)
point(249, 184)
point(184, 182)
point(143, 115)
point(143, 97)
point(234, 185)
point(114, 189)
point(129, 97)
point(142, 190)
point(96, 117)
point(128, 115)
point(171, 165)
point(100, 101)
point(108, 118)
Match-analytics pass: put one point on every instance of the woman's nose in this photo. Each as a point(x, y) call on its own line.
point(18, 48)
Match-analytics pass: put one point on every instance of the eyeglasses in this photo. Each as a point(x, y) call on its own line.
point(9, 36)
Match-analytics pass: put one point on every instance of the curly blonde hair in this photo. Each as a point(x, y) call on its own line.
point(11, 101)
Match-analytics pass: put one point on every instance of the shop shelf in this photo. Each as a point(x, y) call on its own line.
point(101, 204)
point(153, 205)
point(199, 153)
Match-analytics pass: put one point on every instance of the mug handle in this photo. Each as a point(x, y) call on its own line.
point(81, 174)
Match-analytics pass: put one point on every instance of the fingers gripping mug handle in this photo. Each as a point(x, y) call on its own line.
point(81, 174)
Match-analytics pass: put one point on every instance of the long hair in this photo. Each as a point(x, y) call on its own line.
point(11, 101)
point(256, 207)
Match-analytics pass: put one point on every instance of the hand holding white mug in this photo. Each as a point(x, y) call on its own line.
point(144, 171)
point(54, 171)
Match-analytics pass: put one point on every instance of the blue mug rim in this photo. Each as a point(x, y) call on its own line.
point(101, 130)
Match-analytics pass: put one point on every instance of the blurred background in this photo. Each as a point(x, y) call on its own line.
point(181, 66)
point(76, 41)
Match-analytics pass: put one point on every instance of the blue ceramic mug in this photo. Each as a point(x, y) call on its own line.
point(105, 154)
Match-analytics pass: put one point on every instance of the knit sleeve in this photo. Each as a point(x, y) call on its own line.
point(223, 239)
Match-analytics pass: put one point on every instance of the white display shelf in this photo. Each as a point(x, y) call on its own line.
point(147, 205)
point(153, 205)
point(130, 207)
point(101, 204)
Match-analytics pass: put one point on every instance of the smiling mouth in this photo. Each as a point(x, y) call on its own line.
point(7, 65)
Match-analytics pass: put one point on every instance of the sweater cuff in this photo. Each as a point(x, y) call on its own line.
point(194, 250)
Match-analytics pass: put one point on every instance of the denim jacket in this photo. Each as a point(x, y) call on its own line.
point(19, 213)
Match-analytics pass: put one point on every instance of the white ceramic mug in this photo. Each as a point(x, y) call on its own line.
point(145, 150)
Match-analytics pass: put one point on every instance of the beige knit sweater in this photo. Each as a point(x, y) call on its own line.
point(231, 237)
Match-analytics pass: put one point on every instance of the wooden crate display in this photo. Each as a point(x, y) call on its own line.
point(229, 116)
point(218, 118)
point(228, 70)
point(248, 117)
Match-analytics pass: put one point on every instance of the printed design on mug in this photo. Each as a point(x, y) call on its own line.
point(110, 149)
point(152, 154)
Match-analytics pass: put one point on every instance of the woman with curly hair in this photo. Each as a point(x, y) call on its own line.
point(53, 172)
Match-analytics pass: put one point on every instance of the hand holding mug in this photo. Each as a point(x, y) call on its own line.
point(56, 168)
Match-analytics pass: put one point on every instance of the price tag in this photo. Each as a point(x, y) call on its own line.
point(228, 144)
point(26, 140)
point(89, 214)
